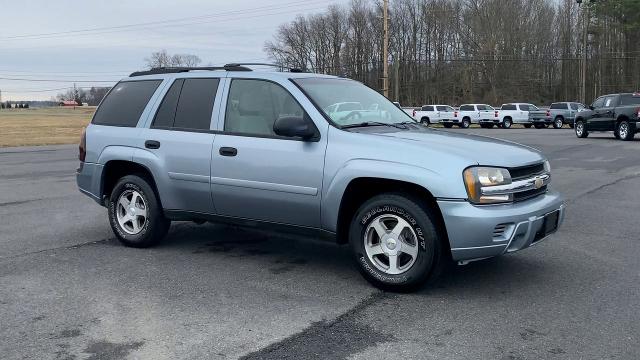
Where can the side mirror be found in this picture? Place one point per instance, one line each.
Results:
(295, 126)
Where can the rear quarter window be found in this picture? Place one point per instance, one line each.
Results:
(125, 103)
(626, 100)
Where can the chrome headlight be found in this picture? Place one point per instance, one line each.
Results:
(480, 177)
(547, 167)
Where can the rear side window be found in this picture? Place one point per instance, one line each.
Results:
(427, 108)
(467, 108)
(629, 100)
(558, 106)
(167, 111)
(509, 107)
(196, 104)
(125, 103)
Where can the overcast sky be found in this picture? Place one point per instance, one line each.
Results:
(103, 40)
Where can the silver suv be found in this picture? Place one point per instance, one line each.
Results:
(254, 148)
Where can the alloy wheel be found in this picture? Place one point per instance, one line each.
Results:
(131, 212)
(391, 244)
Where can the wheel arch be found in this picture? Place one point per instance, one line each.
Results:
(116, 169)
(361, 189)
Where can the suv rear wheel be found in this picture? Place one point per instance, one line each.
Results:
(466, 122)
(558, 122)
(135, 214)
(395, 242)
(506, 123)
(581, 130)
(624, 131)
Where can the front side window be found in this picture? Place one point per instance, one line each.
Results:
(253, 106)
(598, 103)
(577, 106)
(125, 103)
(365, 104)
(427, 108)
(531, 107)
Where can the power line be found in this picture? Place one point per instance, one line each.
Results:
(164, 23)
(59, 80)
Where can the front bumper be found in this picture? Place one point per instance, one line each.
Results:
(477, 232)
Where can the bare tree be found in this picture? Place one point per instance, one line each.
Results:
(455, 51)
(163, 59)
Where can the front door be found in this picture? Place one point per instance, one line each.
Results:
(601, 113)
(256, 174)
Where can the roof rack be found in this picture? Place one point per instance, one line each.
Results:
(181, 69)
(227, 67)
(280, 67)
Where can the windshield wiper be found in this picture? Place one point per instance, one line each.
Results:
(375, 123)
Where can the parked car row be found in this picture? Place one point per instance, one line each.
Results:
(526, 114)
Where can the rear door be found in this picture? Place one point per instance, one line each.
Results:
(256, 174)
(180, 138)
(603, 114)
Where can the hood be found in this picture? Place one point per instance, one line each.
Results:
(482, 150)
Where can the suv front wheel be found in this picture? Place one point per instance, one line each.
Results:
(135, 214)
(581, 129)
(395, 242)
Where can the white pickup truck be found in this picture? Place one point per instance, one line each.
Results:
(518, 113)
(482, 114)
(433, 114)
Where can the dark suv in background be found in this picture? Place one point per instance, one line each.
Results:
(619, 113)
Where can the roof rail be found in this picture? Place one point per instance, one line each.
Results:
(280, 67)
(180, 69)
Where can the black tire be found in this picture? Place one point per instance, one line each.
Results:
(528, 126)
(581, 129)
(425, 121)
(506, 123)
(625, 132)
(558, 122)
(466, 122)
(155, 226)
(430, 259)
(448, 126)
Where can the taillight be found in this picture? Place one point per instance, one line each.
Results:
(548, 113)
(638, 112)
(455, 114)
(414, 112)
(82, 149)
(495, 113)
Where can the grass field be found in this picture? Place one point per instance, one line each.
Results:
(45, 126)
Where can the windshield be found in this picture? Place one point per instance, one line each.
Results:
(347, 102)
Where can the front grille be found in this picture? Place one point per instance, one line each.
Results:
(521, 196)
(525, 172)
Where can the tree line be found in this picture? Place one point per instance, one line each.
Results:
(455, 51)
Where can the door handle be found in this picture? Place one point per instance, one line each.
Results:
(228, 151)
(152, 144)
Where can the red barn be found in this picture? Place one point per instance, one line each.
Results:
(67, 103)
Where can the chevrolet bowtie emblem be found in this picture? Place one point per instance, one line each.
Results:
(538, 183)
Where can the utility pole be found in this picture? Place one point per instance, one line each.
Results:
(385, 48)
(585, 36)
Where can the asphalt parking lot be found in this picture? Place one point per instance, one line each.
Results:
(68, 290)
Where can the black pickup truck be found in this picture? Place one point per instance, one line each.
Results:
(619, 113)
